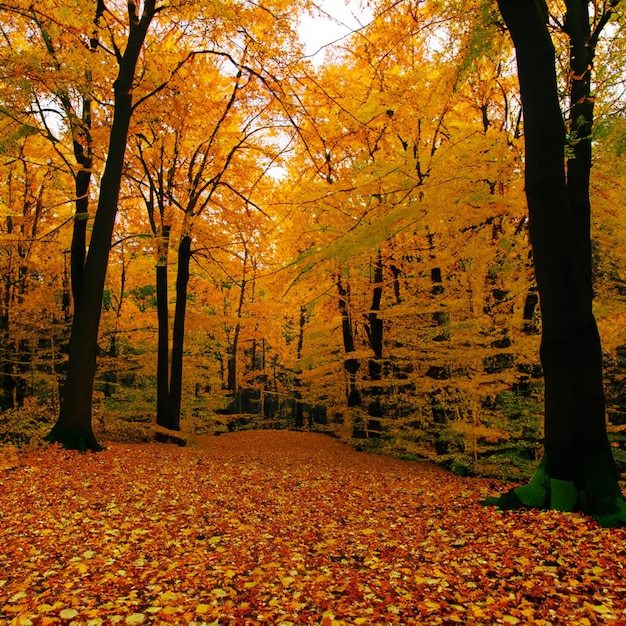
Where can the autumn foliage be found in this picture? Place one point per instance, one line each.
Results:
(290, 528)
(353, 227)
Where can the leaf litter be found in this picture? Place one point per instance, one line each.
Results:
(287, 528)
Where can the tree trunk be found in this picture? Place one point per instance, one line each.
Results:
(298, 409)
(178, 334)
(79, 233)
(578, 470)
(163, 342)
(23, 357)
(351, 365)
(73, 428)
(580, 126)
(374, 331)
(232, 357)
(80, 130)
(7, 398)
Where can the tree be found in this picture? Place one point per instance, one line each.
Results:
(59, 109)
(73, 427)
(578, 470)
(209, 177)
(29, 260)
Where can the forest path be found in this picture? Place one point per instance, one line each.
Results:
(276, 527)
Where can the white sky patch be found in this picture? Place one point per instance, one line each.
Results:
(343, 17)
(339, 20)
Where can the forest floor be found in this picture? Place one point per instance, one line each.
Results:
(275, 527)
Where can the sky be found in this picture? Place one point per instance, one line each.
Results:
(346, 15)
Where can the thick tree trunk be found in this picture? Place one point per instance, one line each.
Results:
(73, 427)
(580, 127)
(178, 334)
(578, 469)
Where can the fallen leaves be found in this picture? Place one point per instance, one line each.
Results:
(287, 528)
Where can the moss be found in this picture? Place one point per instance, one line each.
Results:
(73, 439)
(599, 496)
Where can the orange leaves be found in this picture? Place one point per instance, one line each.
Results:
(293, 528)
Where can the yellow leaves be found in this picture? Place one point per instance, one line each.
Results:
(48, 608)
(18, 596)
(599, 609)
(169, 597)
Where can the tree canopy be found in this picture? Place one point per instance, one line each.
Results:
(352, 235)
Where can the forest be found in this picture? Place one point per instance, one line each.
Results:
(294, 338)
(243, 237)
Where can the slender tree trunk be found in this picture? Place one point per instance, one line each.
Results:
(232, 361)
(82, 181)
(163, 344)
(23, 357)
(578, 470)
(351, 365)
(7, 398)
(374, 330)
(7, 344)
(79, 234)
(298, 409)
(81, 131)
(178, 334)
(73, 427)
(374, 327)
(232, 357)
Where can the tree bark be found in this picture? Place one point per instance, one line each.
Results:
(232, 357)
(163, 341)
(73, 428)
(351, 365)
(580, 126)
(374, 331)
(79, 232)
(298, 409)
(178, 334)
(7, 397)
(578, 470)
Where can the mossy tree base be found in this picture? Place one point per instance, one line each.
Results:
(73, 439)
(598, 495)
